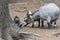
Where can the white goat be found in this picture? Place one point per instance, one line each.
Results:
(48, 12)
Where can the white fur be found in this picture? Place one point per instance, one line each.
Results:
(25, 18)
(30, 12)
(55, 26)
(47, 12)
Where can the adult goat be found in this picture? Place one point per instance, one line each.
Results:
(48, 12)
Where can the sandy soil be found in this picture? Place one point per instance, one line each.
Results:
(45, 33)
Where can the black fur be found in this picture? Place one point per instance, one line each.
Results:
(17, 21)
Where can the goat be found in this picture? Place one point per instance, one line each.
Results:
(17, 21)
(48, 12)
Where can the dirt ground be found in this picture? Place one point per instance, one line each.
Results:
(45, 33)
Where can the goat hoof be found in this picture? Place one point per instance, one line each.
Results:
(42, 26)
(32, 27)
(49, 27)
